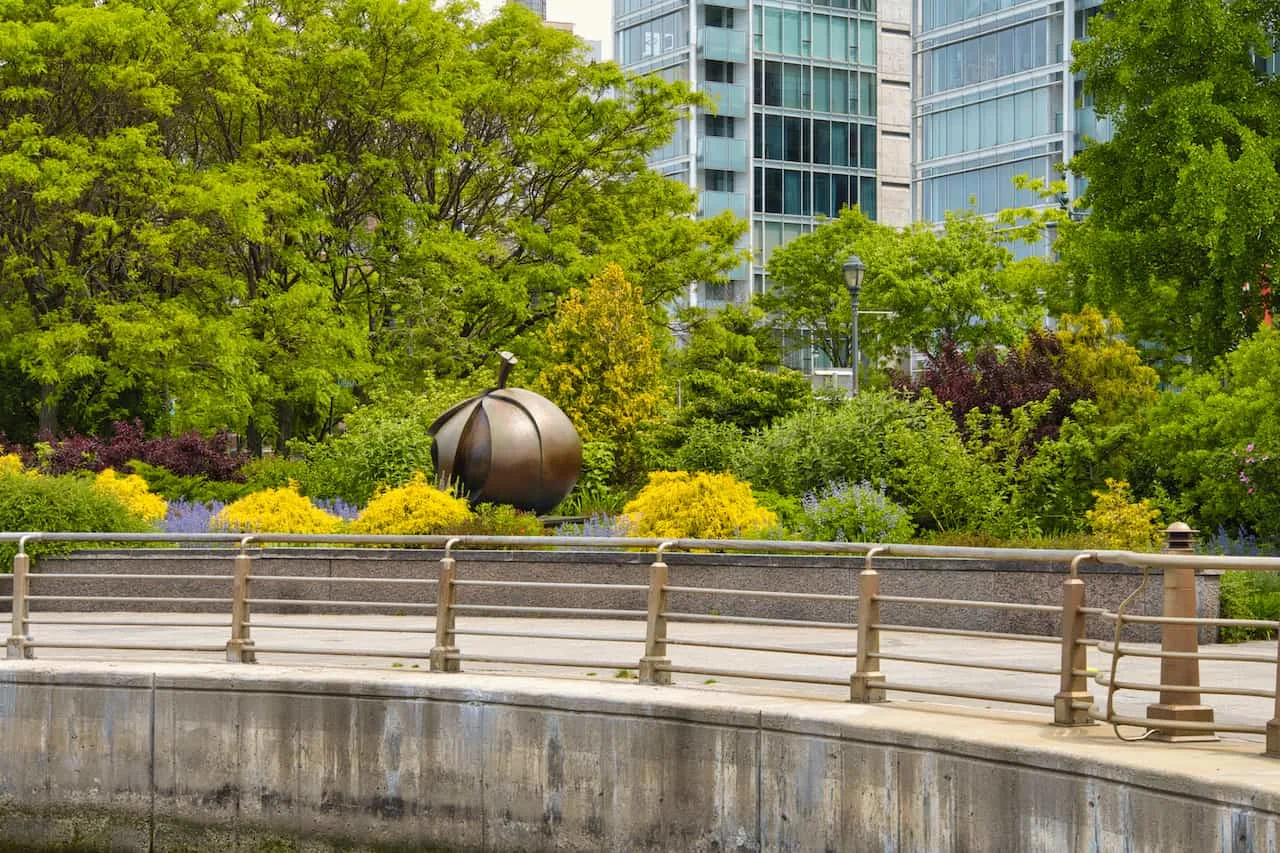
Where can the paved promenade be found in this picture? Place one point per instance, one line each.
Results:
(401, 643)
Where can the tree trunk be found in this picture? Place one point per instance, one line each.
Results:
(284, 425)
(48, 411)
(253, 439)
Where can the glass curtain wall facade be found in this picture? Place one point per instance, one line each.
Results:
(995, 98)
(538, 7)
(795, 134)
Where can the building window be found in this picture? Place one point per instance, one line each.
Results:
(719, 16)
(773, 137)
(719, 72)
(718, 180)
(719, 126)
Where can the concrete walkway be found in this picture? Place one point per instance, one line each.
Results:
(403, 642)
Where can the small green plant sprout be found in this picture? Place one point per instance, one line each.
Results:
(710, 681)
(591, 675)
(623, 673)
(397, 665)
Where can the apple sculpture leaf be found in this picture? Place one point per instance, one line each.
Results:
(507, 446)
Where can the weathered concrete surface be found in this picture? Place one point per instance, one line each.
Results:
(136, 756)
(983, 580)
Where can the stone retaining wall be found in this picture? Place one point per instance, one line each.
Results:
(128, 756)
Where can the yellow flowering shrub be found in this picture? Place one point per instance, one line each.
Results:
(131, 490)
(697, 505)
(11, 463)
(1121, 522)
(417, 508)
(281, 510)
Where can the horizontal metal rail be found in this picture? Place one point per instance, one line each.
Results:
(625, 587)
(103, 576)
(961, 694)
(1129, 651)
(535, 635)
(755, 620)
(372, 629)
(744, 546)
(371, 653)
(324, 602)
(549, 611)
(748, 647)
(1189, 620)
(957, 602)
(753, 674)
(1029, 670)
(762, 593)
(128, 647)
(961, 632)
(568, 662)
(133, 599)
(37, 619)
(1105, 681)
(307, 579)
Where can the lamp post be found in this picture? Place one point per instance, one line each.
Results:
(853, 270)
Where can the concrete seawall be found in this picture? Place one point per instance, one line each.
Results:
(1106, 585)
(128, 756)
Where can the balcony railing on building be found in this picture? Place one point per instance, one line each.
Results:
(730, 99)
(714, 203)
(722, 44)
(723, 153)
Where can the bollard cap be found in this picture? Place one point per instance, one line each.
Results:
(1180, 536)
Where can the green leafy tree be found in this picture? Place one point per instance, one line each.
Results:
(961, 284)
(1184, 197)
(730, 371)
(244, 213)
(84, 180)
(1096, 358)
(1216, 443)
(604, 371)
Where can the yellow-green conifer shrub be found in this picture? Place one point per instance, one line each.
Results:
(696, 505)
(131, 490)
(1121, 522)
(415, 509)
(281, 510)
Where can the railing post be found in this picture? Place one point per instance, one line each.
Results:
(1180, 705)
(1074, 685)
(240, 646)
(444, 653)
(867, 683)
(19, 647)
(655, 634)
(1273, 725)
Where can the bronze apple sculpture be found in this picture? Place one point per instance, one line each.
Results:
(507, 446)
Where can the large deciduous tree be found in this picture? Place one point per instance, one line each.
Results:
(230, 213)
(1184, 199)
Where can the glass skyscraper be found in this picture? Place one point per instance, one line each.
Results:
(995, 98)
(812, 112)
(538, 7)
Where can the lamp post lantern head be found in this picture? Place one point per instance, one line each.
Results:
(853, 270)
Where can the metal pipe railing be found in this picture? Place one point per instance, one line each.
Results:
(1072, 703)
